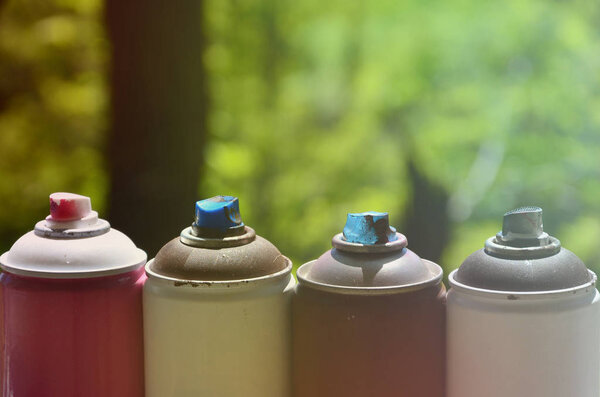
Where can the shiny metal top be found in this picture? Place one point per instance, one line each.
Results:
(522, 258)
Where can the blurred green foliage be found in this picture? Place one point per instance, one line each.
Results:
(52, 107)
(317, 107)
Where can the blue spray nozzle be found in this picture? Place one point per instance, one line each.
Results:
(219, 214)
(369, 228)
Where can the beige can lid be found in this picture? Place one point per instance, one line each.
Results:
(218, 247)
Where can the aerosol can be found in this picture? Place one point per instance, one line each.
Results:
(71, 302)
(217, 315)
(523, 317)
(368, 317)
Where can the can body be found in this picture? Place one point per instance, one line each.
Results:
(369, 344)
(218, 339)
(72, 337)
(523, 344)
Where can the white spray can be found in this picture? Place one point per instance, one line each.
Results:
(217, 315)
(523, 317)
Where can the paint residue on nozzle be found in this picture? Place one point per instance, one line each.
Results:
(219, 213)
(369, 228)
(69, 206)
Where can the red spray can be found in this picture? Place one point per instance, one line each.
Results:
(71, 307)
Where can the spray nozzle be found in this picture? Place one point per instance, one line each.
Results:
(69, 206)
(369, 228)
(70, 211)
(216, 216)
(523, 227)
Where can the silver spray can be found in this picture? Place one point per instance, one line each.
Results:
(523, 317)
(217, 315)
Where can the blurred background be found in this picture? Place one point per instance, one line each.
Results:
(445, 113)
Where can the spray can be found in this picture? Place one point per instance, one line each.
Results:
(71, 302)
(217, 316)
(523, 317)
(368, 317)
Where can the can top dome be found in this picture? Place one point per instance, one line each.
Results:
(217, 247)
(522, 258)
(369, 257)
(72, 242)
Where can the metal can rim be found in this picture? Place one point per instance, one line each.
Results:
(219, 283)
(107, 271)
(507, 251)
(338, 242)
(515, 295)
(187, 237)
(395, 289)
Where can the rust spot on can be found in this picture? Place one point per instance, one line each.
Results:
(190, 283)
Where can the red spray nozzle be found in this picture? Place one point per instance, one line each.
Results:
(69, 206)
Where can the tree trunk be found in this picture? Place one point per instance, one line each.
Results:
(426, 225)
(158, 106)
